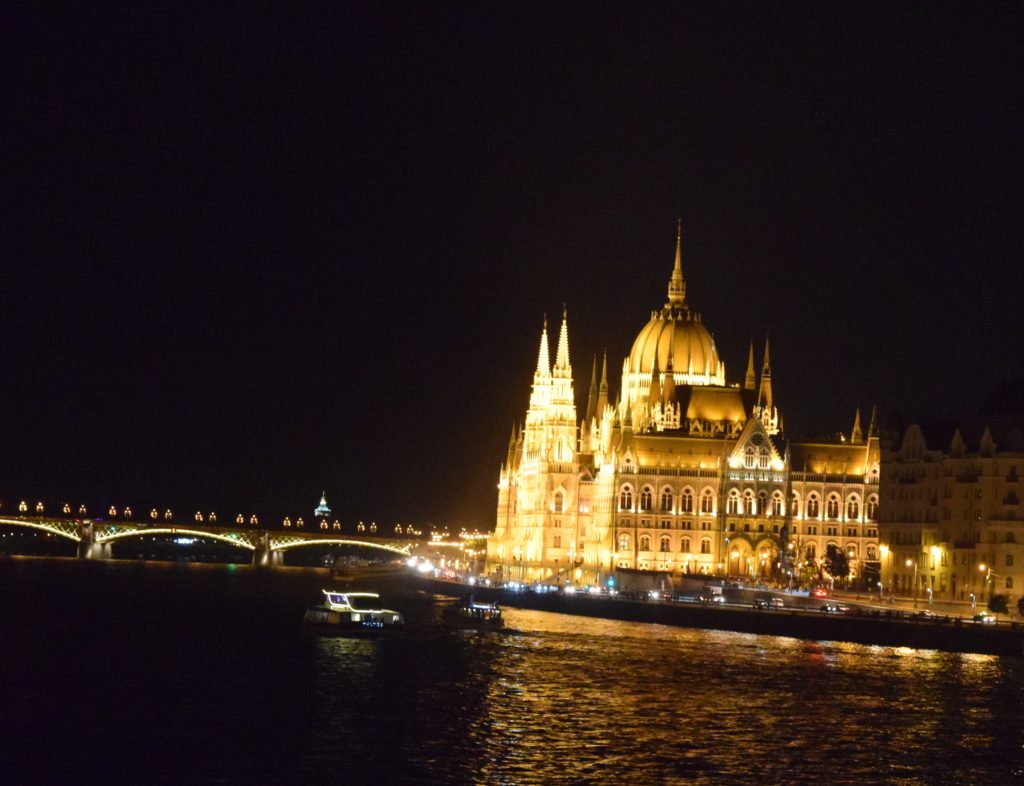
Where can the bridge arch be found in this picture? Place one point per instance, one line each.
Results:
(65, 529)
(231, 538)
(282, 545)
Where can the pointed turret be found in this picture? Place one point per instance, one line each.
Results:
(670, 383)
(856, 436)
(676, 284)
(562, 354)
(873, 425)
(602, 392)
(764, 395)
(655, 395)
(957, 447)
(592, 396)
(988, 445)
(751, 380)
(543, 356)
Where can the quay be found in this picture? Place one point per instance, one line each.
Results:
(949, 634)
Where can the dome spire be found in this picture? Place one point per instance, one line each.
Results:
(676, 284)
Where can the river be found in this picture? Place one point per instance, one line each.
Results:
(145, 672)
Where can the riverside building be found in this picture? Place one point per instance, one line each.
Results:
(952, 523)
(683, 472)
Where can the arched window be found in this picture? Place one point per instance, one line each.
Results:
(763, 458)
(559, 502)
(851, 551)
(687, 501)
(832, 507)
(623, 542)
(811, 551)
(685, 545)
(666, 501)
(812, 507)
(852, 509)
(646, 498)
(777, 504)
(795, 505)
(871, 552)
(749, 507)
(732, 505)
(707, 501)
(748, 458)
(645, 543)
(705, 545)
(626, 498)
(871, 509)
(666, 543)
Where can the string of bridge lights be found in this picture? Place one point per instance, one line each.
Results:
(211, 518)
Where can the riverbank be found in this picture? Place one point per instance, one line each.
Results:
(949, 634)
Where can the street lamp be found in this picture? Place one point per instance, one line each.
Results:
(908, 563)
(883, 552)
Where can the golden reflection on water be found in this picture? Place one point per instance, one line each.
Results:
(586, 700)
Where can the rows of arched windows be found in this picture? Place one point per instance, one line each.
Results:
(664, 543)
(749, 504)
(812, 507)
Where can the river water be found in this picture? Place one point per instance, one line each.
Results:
(152, 673)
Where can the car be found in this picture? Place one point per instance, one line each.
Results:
(777, 603)
(834, 608)
(716, 599)
(761, 603)
(820, 592)
(984, 618)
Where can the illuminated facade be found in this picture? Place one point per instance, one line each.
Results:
(952, 523)
(683, 473)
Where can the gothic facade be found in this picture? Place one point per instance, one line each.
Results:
(683, 472)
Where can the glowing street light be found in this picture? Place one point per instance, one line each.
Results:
(23, 507)
(112, 512)
(39, 507)
(239, 519)
(908, 564)
(154, 514)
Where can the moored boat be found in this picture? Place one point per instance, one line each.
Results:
(475, 615)
(352, 613)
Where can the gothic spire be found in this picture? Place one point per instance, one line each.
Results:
(544, 357)
(764, 395)
(873, 426)
(856, 435)
(562, 354)
(655, 394)
(751, 380)
(592, 397)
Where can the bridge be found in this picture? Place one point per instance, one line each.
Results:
(95, 536)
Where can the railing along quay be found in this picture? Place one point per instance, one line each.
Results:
(949, 634)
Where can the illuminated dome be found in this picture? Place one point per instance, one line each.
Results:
(674, 342)
(676, 338)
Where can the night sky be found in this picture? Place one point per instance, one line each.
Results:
(251, 253)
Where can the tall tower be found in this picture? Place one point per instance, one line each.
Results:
(535, 533)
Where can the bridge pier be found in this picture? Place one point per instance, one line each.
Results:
(265, 557)
(87, 550)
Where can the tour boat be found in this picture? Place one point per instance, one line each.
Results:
(469, 613)
(352, 613)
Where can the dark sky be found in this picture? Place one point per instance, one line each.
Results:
(254, 252)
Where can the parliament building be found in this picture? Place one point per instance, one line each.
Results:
(682, 472)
